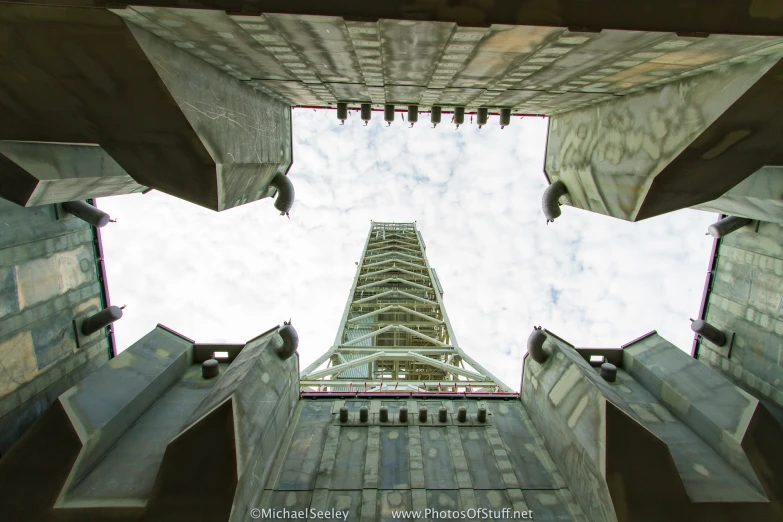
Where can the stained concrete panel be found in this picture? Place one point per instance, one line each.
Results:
(403, 94)
(55, 338)
(547, 506)
(394, 467)
(493, 502)
(20, 363)
(439, 472)
(43, 278)
(348, 472)
(444, 501)
(501, 47)
(300, 469)
(324, 43)
(581, 55)
(411, 50)
(524, 450)
(9, 294)
(392, 500)
(482, 465)
(342, 501)
(214, 37)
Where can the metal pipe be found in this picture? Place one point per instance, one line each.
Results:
(342, 112)
(87, 212)
(101, 319)
(285, 193)
(505, 118)
(290, 341)
(366, 113)
(103, 280)
(413, 114)
(709, 332)
(435, 115)
(535, 345)
(551, 200)
(459, 116)
(318, 107)
(706, 292)
(482, 116)
(388, 114)
(727, 225)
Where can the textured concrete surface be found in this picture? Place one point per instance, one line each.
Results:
(668, 440)
(696, 16)
(171, 121)
(246, 133)
(43, 173)
(759, 196)
(671, 146)
(746, 299)
(48, 277)
(375, 467)
(146, 437)
(320, 60)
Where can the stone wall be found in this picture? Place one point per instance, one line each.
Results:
(48, 276)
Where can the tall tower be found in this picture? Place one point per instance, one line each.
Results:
(395, 334)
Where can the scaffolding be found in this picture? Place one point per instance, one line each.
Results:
(395, 336)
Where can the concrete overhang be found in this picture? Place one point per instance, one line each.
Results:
(172, 121)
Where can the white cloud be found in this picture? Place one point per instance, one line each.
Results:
(225, 277)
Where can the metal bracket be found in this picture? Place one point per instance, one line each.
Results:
(60, 213)
(731, 345)
(81, 339)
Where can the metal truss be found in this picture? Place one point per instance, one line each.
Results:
(395, 335)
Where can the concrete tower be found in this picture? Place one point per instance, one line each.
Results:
(395, 333)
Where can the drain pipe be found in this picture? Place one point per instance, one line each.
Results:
(551, 200)
(285, 193)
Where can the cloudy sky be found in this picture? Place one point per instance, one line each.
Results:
(226, 277)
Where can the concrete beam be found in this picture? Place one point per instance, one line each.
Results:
(44, 173)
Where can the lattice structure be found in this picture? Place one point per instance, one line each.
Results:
(395, 334)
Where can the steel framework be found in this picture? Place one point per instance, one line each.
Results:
(394, 335)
